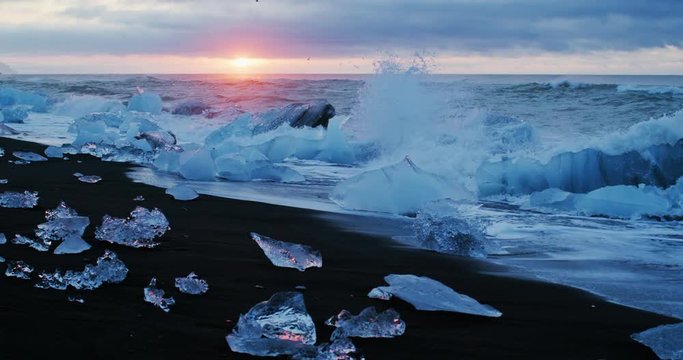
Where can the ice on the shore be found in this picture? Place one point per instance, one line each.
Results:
(666, 340)
(367, 324)
(401, 188)
(197, 165)
(108, 269)
(146, 102)
(28, 156)
(76, 299)
(191, 284)
(2, 151)
(2, 259)
(65, 225)
(15, 114)
(250, 164)
(11, 97)
(279, 326)
(89, 179)
(156, 297)
(19, 269)
(337, 349)
(289, 255)
(437, 227)
(3, 239)
(139, 230)
(54, 152)
(139, 198)
(38, 244)
(430, 295)
(25, 200)
(4, 181)
(182, 192)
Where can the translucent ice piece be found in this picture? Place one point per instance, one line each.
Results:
(368, 324)
(108, 269)
(77, 299)
(90, 179)
(191, 284)
(666, 340)
(4, 181)
(64, 224)
(39, 244)
(139, 198)
(27, 199)
(139, 230)
(279, 326)
(3, 239)
(146, 102)
(428, 294)
(2, 259)
(338, 349)
(54, 152)
(289, 255)
(156, 296)
(182, 192)
(19, 269)
(28, 156)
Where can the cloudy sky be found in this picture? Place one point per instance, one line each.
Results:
(341, 36)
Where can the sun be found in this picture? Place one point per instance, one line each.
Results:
(242, 62)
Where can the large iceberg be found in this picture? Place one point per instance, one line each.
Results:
(289, 255)
(108, 269)
(156, 297)
(402, 188)
(367, 324)
(279, 326)
(146, 102)
(139, 230)
(666, 341)
(430, 295)
(63, 224)
(438, 227)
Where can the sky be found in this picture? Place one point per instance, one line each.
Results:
(341, 36)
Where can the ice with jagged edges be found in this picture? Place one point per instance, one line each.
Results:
(155, 296)
(140, 229)
(19, 269)
(38, 244)
(28, 156)
(337, 349)
(54, 152)
(367, 324)
(438, 228)
(191, 284)
(15, 114)
(108, 269)
(25, 200)
(182, 192)
(402, 188)
(89, 179)
(430, 295)
(278, 326)
(146, 102)
(665, 340)
(12, 97)
(65, 225)
(289, 255)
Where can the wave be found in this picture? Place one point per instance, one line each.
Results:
(649, 89)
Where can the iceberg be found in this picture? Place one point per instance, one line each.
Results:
(182, 192)
(63, 224)
(430, 295)
(25, 200)
(40, 244)
(438, 228)
(28, 156)
(139, 230)
(191, 284)
(10, 96)
(156, 296)
(148, 102)
(108, 269)
(250, 164)
(15, 114)
(368, 324)
(19, 269)
(289, 255)
(402, 188)
(6, 130)
(197, 165)
(279, 326)
(666, 340)
(54, 152)
(89, 179)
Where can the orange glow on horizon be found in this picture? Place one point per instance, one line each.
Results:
(242, 62)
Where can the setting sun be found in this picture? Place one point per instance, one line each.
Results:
(242, 62)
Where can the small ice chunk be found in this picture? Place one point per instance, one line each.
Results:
(182, 192)
(279, 326)
(430, 295)
(2, 259)
(25, 200)
(39, 244)
(54, 152)
(77, 174)
(19, 269)
(139, 230)
(3, 239)
(378, 293)
(666, 340)
(4, 181)
(2, 151)
(28, 156)
(64, 224)
(191, 284)
(156, 296)
(438, 228)
(139, 198)
(108, 269)
(289, 255)
(77, 299)
(338, 349)
(90, 179)
(368, 324)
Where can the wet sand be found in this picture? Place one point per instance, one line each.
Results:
(210, 236)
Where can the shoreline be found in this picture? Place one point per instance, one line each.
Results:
(210, 237)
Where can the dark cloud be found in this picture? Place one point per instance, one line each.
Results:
(357, 27)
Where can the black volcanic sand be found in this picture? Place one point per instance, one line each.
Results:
(210, 236)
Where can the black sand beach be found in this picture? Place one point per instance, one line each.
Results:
(210, 236)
